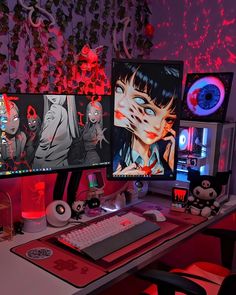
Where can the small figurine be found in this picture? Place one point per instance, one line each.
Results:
(18, 227)
(78, 208)
(93, 207)
(204, 190)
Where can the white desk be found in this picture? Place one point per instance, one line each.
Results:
(18, 276)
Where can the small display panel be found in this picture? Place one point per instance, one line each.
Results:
(146, 112)
(42, 133)
(206, 96)
(179, 198)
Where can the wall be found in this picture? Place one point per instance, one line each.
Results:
(41, 48)
(36, 56)
(201, 33)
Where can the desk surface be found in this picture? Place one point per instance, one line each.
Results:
(18, 276)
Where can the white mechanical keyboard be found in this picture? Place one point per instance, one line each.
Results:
(95, 232)
(106, 236)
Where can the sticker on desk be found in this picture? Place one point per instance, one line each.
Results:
(39, 253)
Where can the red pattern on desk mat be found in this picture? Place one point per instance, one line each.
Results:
(65, 265)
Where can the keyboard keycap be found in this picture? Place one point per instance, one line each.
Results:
(106, 236)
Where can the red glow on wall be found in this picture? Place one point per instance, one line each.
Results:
(149, 30)
(228, 22)
(231, 57)
(88, 75)
(200, 32)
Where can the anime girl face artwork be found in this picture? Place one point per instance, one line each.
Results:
(12, 138)
(92, 146)
(136, 111)
(93, 132)
(42, 132)
(34, 122)
(146, 115)
(12, 121)
(94, 112)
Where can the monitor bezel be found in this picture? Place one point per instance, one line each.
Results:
(178, 63)
(57, 170)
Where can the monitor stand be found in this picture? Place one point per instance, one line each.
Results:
(72, 187)
(60, 185)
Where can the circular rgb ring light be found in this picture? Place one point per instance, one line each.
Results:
(205, 96)
(183, 139)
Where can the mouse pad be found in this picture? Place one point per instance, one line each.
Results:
(79, 270)
(171, 215)
(63, 264)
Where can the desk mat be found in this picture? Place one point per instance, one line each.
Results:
(79, 270)
(169, 214)
(63, 264)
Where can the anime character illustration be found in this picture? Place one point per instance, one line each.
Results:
(92, 135)
(91, 147)
(93, 132)
(145, 111)
(34, 133)
(58, 130)
(12, 138)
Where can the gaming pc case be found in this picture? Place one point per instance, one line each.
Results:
(205, 146)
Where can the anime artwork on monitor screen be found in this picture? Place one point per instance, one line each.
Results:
(47, 132)
(146, 112)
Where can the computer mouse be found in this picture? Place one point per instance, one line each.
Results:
(155, 215)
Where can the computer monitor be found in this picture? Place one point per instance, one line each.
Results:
(145, 119)
(48, 133)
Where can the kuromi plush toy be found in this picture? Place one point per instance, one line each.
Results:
(204, 190)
